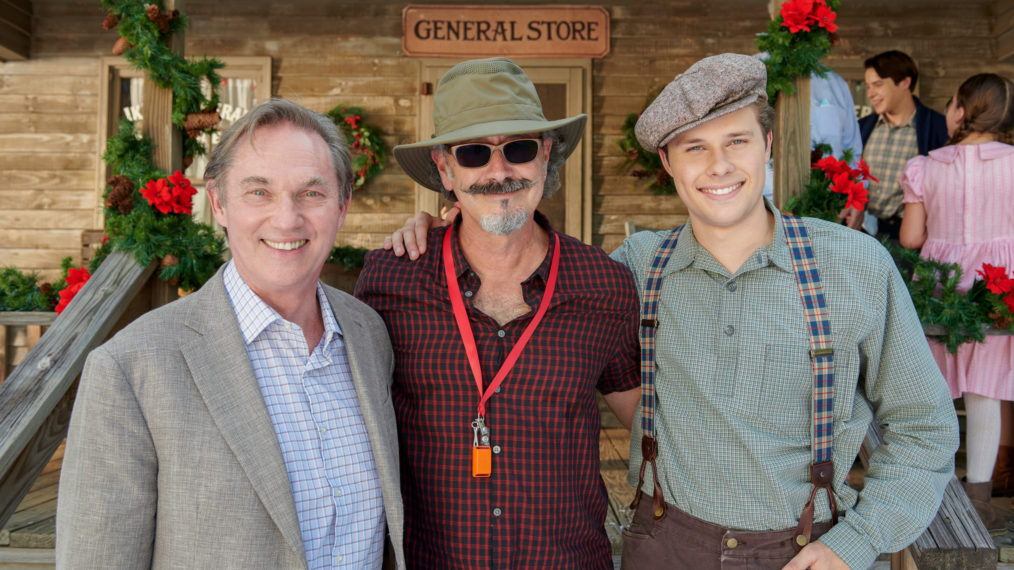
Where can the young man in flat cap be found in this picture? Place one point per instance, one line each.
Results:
(777, 341)
(502, 334)
(769, 344)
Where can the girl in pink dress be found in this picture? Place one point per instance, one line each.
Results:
(959, 207)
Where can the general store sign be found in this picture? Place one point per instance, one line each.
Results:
(513, 31)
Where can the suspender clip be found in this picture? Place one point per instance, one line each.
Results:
(818, 352)
(653, 323)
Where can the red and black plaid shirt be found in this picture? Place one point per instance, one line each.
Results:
(545, 504)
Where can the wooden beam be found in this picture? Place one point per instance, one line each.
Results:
(15, 29)
(158, 108)
(791, 144)
(14, 45)
(1003, 29)
(37, 386)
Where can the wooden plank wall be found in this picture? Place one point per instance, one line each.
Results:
(324, 53)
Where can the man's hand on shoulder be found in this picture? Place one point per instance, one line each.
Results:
(816, 556)
(411, 237)
(852, 217)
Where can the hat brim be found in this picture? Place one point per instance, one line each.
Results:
(415, 159)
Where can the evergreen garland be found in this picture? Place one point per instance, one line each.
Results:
(191, 252)
(348, 256)
(792, 54)
(23, 291)
(367, 147)
(933, 287)
(148, 50)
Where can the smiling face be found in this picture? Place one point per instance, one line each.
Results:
(500, 197)
(282, 208)
(885, 95)
(718, 169)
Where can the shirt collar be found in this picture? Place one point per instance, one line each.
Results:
(986, 151)
(688, 249)
(882, 120)
(254, 315)
(462, 267)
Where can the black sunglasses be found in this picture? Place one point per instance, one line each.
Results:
(475, 155)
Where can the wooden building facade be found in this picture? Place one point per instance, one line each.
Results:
(58, 100)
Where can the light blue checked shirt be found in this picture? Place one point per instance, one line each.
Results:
(315, 412)
(734, 386)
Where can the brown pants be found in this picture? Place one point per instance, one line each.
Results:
(682, 541)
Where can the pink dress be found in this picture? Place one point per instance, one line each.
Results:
(968, 193)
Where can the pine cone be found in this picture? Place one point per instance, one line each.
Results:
(197, 122)
(111, 21)
(45, 288)
(121, 46)
(663, 178)
(160, 19)
(632, 153)
(187, 160)
(170, 260)
(121, 196)
(1001, 322)
(815, 155)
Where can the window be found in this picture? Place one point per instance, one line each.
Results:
(246, 81)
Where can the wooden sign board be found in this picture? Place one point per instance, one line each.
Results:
(512, 31)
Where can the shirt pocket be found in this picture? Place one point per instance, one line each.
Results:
(786, 391)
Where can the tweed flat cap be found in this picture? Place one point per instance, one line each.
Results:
(712, 87)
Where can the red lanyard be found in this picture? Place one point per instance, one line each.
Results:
(465, 328)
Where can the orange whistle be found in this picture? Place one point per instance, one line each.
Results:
(482, 461)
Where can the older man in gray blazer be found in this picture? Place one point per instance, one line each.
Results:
(248, 425)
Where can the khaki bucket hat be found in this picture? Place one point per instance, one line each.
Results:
(483, 98)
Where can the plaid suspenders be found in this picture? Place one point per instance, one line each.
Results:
(821, 355)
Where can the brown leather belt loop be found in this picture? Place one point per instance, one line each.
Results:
(822, 475)
(649, 451)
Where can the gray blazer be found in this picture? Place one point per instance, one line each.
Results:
(172, 461)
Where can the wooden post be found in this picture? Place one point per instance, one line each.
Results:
(168, 140)
(158, 108)
(791, 145)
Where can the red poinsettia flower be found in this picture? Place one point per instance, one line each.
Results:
(157, 193)
(824, 16)
(76, 278)
(859, 196)
(176, 198)
(795, 15)
(832, 167)
(841, 183)
(996, 279)
(863, 170)
(182, 192)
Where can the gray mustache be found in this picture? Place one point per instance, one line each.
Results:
(505, 187)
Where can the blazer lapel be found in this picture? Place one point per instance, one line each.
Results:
(222, 372)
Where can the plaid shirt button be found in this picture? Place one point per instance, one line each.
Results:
(730, 330)
(500, 333)
(496, 449)
(497, 512)
(731, 286)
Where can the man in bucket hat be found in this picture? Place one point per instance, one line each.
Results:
(502, 334)
(769, 344)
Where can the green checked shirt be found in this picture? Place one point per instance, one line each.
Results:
(887, 151)
(734, 386)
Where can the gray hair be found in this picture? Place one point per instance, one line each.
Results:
(557, 155)
(273, 112)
